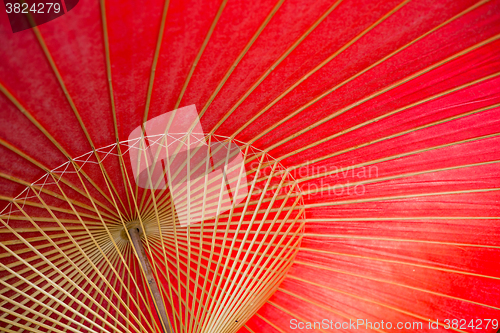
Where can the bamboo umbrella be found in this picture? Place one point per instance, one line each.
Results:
(345, 167)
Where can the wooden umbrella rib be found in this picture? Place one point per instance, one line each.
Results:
(399, 262)
(39, 314)
(414, 152)
(410, 240)
(241, 55)
(363, 71)
(114, 245)
(396, 284)
(155, 60)
(25, 318)
(21, 326)
(226, 292)
(151, 80)
(230, 213)
(47, 170)
(107, 55)
(176, 245)
(82, 252)
(399, 176)
(386, 89)
(389, 158)
(314, 70)
(399, 197)
(241, 296)
(382, 91)
(84, 293)
(270, 323)
(48, 192)
(200, 52)
(34, 204)
(52, 63)
(383, 179)
(292, 314)
(324, 307)
(48, 280)
(275, 64)
(376, 119)
(151, 284)
(45, 219)
(30, 117)
(160, 301)
(203, 317)
(262, 283)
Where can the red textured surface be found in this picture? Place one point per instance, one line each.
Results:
(419, 242)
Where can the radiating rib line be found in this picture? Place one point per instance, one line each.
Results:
(448, 270)
(275, 64)
(192, 269)
(233, 66)
(52, 64)
(104, 24)
(272, 273)
(51, 283)
(240, 56)
(270, 323)
(155, 59)
(153, 268)
(379, 92)
(225, 239)
(125, 264)
(201, 322)
(28, 319)
(352, 77)
(391, 113)
(399, 285)
(276, 279)
(270, 278)
(83, 292)
(205, 319)
(169, 299)
(394, 157)
(82, 252)
(69, 250)
(200, 52)
(397, 197)
(20, 326)
(414, 315)
(225, 301)
(399, 176)
(404, 240)
(310, 73)
(34, 204)
(151, 84)
(48, 192)
(55, 279)
(191, 324)
(47, 170)
(47, 305)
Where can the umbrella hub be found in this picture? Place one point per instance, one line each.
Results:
(134, 224)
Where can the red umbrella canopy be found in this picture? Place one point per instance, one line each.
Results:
(369, 132)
